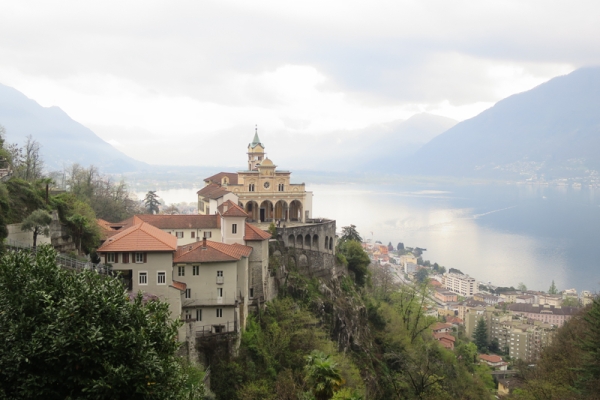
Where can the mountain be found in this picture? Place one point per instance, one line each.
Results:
(552, 129)
(368, 149)
(63, 140)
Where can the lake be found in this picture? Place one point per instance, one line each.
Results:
(505, 234)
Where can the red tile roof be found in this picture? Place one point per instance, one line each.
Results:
(140, 237)
(212, 191)
(213, 252)
(439, 326)
(254, 233)
(444, 336)
(492, 358)
(230, 209)
(106, 230)
(233, 178)
(179, 285)
(161, 221)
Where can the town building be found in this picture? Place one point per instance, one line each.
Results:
(554, 315)
(493, 361)
(464, 285)
(445, 296)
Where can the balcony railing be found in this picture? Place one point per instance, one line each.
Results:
(216, 329)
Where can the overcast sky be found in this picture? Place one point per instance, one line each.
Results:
(161, 80)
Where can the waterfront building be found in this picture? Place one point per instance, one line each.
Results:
(464, 285)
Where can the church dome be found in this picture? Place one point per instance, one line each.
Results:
(266, 163)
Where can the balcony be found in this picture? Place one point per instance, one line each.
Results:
(219, 280)
(216, 329)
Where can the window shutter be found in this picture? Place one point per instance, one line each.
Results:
(116, 258)
(145, 257)
(125, 258)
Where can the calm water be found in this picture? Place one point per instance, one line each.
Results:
(501, 233)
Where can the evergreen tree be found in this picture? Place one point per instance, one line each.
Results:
(400, 247)
(151, 202)
(480, 336)
(553, 289)
(350, 233)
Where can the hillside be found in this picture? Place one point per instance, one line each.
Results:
(64, 141)
(553, 129)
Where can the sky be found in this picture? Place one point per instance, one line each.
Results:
(180, 82)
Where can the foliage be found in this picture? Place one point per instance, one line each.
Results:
(553, 289)
(571, 302)
(422, 275)
(77, 335)
(455, 271)
(80, 219)
(151, 202)
(272, 229)
(350, 233)
(522, 287)
(27, 163)
(400, 246)
(23, 200)
(37, 222)
(171, 210)
(322, 375)
(358, 260)
(4, 210)
(480, 337)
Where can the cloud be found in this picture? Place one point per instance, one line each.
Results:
(189, 70)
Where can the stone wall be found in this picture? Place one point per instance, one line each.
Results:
(309, 247)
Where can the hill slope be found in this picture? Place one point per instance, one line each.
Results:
(64, 141)
(553, 129)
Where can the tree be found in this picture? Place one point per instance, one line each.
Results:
(27, 161)
(350, 233)
(322, 375)
(570, 302)
(390, 247)
(37, 222)
(400, 247)
(553, 289)
(521, 287)
(358, 260)
(151, 202)
(171, 210)
(480, 336)
(422, 275)
(76, 335)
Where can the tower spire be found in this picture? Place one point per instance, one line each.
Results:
(256, 140)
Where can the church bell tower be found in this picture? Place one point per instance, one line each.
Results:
(256, 152)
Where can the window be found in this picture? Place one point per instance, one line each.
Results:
(110, 257)
(207, 235)
(233, 228)
(179, 235)
(188, 293)
(281, 187)
(220, 292)
(198, 314)
(219, 276)
(143, 278)
(181, 271)
(196, 270)
(251, 187)
(193, 235)
(125, 258)
(188, 315)
(140, 258)
(219, 313)
(161, 278)
(251, 292)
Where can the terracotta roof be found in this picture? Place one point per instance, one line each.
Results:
(440, 325)
(454, 320)
(140, 237)
(161, 221)
(233, 178)
(491, 358)
(106, 230)
(230, 209)
(179, 285)
(254, 233)
(213, 252)
(435, 283)
(444, 336)
(446, 344)
(212, 191)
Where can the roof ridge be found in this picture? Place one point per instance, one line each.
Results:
(157, 237)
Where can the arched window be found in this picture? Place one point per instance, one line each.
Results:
(281, 187)
(251, 187)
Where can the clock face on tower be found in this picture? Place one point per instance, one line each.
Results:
(266, 185)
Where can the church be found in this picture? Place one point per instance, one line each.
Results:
(263, 191)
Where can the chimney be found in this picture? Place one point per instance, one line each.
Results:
(204, 243)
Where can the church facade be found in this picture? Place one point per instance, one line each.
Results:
(263, 191)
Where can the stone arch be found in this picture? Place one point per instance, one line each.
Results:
(330, 243)
(282, 210)
(266, 211)
(326, 243)
(302, 260)
(252, 210)
(299, 242)
(296, 210)
(291, 241)
(315, 242)
(307, 241)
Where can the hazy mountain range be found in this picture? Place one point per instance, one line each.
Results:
(63, 140)
(553, 129)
